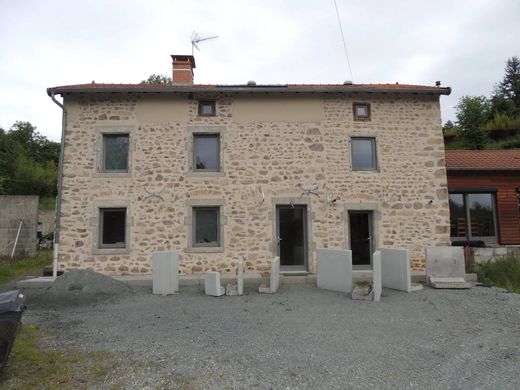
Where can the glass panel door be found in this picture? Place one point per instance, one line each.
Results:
(481, 215)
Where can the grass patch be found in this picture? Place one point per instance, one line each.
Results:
(503, 272)
(12, 268)
(32, 367)
(46, 203)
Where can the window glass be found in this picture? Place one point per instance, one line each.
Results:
(116, 152)
(362, 111)
(207, 152)
(113, 225)
(207, 108)
(206, 226)
(457, 216)
(481, 215)
(363, 154)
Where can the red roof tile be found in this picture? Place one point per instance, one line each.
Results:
(482, 159)
(371, 88)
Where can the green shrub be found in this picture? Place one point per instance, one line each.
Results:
(503, 272)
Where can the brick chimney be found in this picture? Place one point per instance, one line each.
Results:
(182, 69)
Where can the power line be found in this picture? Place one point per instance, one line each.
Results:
(344, 42)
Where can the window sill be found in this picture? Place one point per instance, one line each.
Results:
(111, 175)
(111, 251)
(206, 174)
(205, 249)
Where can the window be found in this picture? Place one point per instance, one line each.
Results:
(206, 152)
(473, 216)
(206, 226)
(361, 111)
(207, 108)
(363, 154)
(112, 230)
(115, 152)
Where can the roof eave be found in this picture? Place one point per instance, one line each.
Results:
(482, 169)
(174, 90)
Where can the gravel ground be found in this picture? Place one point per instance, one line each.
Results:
(299, 338)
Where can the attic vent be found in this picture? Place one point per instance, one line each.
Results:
(251, 83)
(347, 82)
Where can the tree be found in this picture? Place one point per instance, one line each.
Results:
(28, 161)
(158, 79)
(472, 114)
(506, 95)
(449, 127)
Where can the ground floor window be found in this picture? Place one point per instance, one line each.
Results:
(112, 227)
(206, 226)
(473, 216)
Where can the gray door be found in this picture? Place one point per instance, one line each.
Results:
(291, 234)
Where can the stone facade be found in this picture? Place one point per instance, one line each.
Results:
(269, 146)
(14, 208)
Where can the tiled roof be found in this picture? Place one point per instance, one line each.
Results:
(483, 159)
(154, 88)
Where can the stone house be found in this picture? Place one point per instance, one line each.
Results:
(222, 172)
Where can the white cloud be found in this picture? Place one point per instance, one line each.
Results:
(42, 44)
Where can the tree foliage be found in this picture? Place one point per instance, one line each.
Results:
(28, 161)
(506, 96)
(472, 114)
(158, 79)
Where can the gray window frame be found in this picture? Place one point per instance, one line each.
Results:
(194, 242)
(361, 118)
(375, 166)
(213, 104)
(194, 153)
(102, 210)
(104, 153)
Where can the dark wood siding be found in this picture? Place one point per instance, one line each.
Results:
(505, 184)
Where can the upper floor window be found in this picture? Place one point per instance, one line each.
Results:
(363, 154)
(207, 108)
(115, 152)
(206, 152)
(361, 111)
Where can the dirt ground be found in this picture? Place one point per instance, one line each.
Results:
(299, 338)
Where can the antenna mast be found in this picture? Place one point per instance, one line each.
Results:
(196, 38)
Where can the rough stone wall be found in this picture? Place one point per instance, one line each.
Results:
(13, 209)
(262, 161)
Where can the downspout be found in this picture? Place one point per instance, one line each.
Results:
(56, 245)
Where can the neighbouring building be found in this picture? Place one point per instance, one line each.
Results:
(18, 218)
(222, 172)
(484, 190)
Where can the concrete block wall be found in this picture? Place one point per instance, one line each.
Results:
(14, 208)
(483, 255)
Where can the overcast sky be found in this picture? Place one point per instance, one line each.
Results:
(45, 43)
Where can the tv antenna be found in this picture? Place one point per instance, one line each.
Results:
(196, 38)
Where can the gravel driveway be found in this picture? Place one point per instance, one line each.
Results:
(300, 338)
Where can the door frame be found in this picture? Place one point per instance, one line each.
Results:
(307, 226)
(374, 209)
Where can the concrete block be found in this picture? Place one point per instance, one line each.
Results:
(445, 262)
(486, 252)
(334, 270)
(274, 278)
(165, 273)
(395, 266)
(501, 251)
(449, 283)
(212, 284)
(376, 276)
